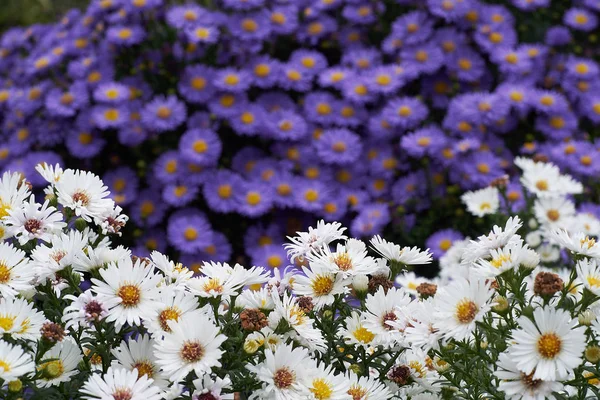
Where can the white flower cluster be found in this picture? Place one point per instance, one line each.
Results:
(83, 318)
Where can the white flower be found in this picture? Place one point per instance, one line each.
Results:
(260, 298)
(222, 280)
(171, 305)
(482, 202)
(287, 309)
(404, 255)
(367, 388)
(138, 355)
(421, 331)
(20, 320)
(212, 388)
(176, 275)
(283, 374)
(59, 364)
(51, 174)
(129, 290)
(118, 383)
(84, 193)
(550, 347)
(355, 332)
(517, 385)
(554, 212)
(314, 239)
(498, 237)
(578, 243)
(192, 345)
(545, 179)
(14, 362)
(31, 222)
(99, 257)
(324, 384)
(61, 253)
(13, 193)
(83, 310)
(349, 259)
(589, 273)
(320, 284)
(459, 305)
(111, 221)
(503, 259)
(410, 281)
(382, 311)
(15, 273)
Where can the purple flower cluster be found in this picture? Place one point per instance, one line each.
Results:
(279, 111)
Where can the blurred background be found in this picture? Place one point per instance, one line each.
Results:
(27, 12)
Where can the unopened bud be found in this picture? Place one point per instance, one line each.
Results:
(501, 304)
(360, 284)
(586, 317)
(592, 354)
(15, 386)
(251, 346)
(426, 290)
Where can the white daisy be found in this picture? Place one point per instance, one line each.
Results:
(13, 192)
(111, 221)
(30, 222)
(220, 279)
(139, 355)
(554, 212)
(176, 275)
(367, 388)
(171, 305)
(84, 310)
(323, 384)
(545, 179)
(15, 273)
(51, 174)
(315, 239)
(59, 363)
(99, 257)
(459, 305)
(381, 311)
(129, 290)
(578, 243)
(84, 193)
(192, 345)
(61, 253)
(482, 202)
(349, 259)
(504, 259)
(498, 237)
(320, 284)
(586, 223)
(421, 331)
(403, 255)
(550, 346)
(589, 273)
(283, 373)
(518, 385)
(14, 362)
(261, 299)
(410, 281)
(354, 331)
(118, 383)
(212, 388)
(20, 320)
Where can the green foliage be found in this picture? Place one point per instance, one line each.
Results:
(27, 12)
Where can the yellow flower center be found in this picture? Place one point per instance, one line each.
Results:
(200, 146)
(247, 118)
(465, 311)
(130, 295)
(549, 345)
(4, 366)
(542, 185)
(163, 112)
(7, 322)
(553, 215)
(5, 274)
(445, 244)
(144, 368)
(262, 70)
(125, 33)
(501, 259)
(224, 191)
(190, 234)
(227, 100)
(198, 83)
(274, 261)
(311, 195)
(424, 141)
(404, 111)
(278, 18)
(112, 114)
(253, 198)
(168, 314)
(322, 285)
(321, 389)
(363, 335)
(191, 352)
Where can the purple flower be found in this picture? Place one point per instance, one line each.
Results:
(320, 107)
(125, 35)
(179, 194)
(558, 36)
(254, 198)
(186, 15)
(580, 19)
(148, 208)
(425, 58)
(250, 26)
(202, 34)
(259, 235)
(111, 92)
(227, 104)
(220, 191)
(232, 80)
(66, 103)
(265, 72)
(123, 185)
(441, 241)
(404, 112)
(309, 60)
(284, 19)
(163, 113)
(108, 117)
(168, 167)
(425, 141)
(196, 84)
(200, 146)
(285, 124)
(270, 256)
(339, 146)
(248, 120)
(189, 231)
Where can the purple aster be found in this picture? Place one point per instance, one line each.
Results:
(316, 29)
(413, 27)
(179, 194)
(196, 84)
(350, 115)
(110, 116)
(356, 198)
(380, 128)
(250, 26)
(309, 60)
(384, 79)
(66, 103)
(580, 19)
(248, 120)
(123, 184)
(491, 38)
(371, 220)
(163, 113)
(270, 256)
(276, 101)
(258, 236)
(449, 10)
(132, 135)
(189, 231)
(200, 146)
(284, 19)
(478, 170)
(151, 240)
(221, 189)
(148, 208)
(111, 92)
(361, 58)
(466, 64)
(227, 104)
(167, 167)
(335, 76)
(557, 125)
(284, 189)
(529, 5)
(187, 15)
(404, 112)
(425, 58)
(549, 102)
(441, 241)
(334, 207)
(363, 14)
(311, 194)
(254, 198)
(125, 35)
(425, 141)
(409, 187)
(245, 160)
(581, 68)
(320, 107)
(357, 90)
(84, 142)
(339, 146)
(519, 96)
(558, 36)
(202, 34)
(265, 72)
(285, 125)
(292, 77)
(514, 196)
(232, 80)
(243, 4)
(219, 250)
(590, 107)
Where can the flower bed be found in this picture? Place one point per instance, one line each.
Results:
(251, 119)
(513, 314)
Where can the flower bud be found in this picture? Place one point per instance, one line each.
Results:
(426, 290)
(592, 354)
(532, 223)
(501, 304)
(251, 346)
(360, 284)
(586, 317)
(546, 284)
(534, 239)
(15, 386)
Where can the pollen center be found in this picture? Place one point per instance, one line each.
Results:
(466, 310)
(192, 352)
(284, 378)
(321, 389)
(130, 295)
(549, 345)
(322, 285)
